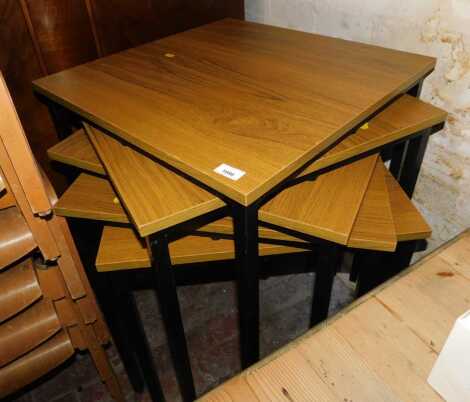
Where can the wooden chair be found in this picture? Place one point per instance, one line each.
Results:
(47, 310)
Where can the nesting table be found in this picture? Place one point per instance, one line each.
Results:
(244, 111)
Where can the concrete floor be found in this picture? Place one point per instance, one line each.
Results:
(210, 318)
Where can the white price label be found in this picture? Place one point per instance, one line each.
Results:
(229, 171)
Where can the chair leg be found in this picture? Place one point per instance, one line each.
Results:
(137, 342)
(165, 286)
(328, 263)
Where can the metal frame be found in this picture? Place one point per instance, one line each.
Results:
(407, 157)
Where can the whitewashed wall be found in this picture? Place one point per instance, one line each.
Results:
(439, 28)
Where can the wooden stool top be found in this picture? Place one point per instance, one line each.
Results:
(381, 348)
(154, 196)
(406, 116)
(359, 205)
(76, 150)
(120, 249)
(325, 208)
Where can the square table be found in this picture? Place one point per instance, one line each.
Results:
(240, 109)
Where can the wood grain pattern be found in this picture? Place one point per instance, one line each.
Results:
(406, 116)
(20, 66)
(27, 330)
(155, 197)
(409, 223)
(122, 24)
(63, 31)
(237, 90)
(18, 150)
(76, 150)
(16, 239)
(20, 288)
(91, 197)
(120, 248)
(325, 208)
(35, 364)
(381, 348)
(374, 228)
(7, 199)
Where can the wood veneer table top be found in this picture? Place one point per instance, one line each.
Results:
(381, 348)
(262, 99)
(121, 249)
(155, 197)
(325, 208)
(76, 150)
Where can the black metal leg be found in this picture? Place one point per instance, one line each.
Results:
(374, 267)
(87, 236)
(398, 155)
(165, 286)
(246, 250)
(412, 162)
(131, 324)
(371, 270)
(328, 263)
(401, 258)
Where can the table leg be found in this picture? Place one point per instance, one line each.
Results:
(328, 263)
(246, 253)
(412, 162)
(371, 270)
(165, 286)
(131, 324)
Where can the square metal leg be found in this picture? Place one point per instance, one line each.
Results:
(245, 221)
(165, 286)
(328, 263)
(133, 344)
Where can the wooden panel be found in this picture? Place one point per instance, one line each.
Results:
(20, 155)
(19, 289)
(7, 199)
(288, 100)
(120, 248)
(91, 197)
(76, 150)
(51, 281)
(35, 364)
(27, 330)
(155, 197)
(20, 67)
(15, 237)
(63, 32)
(326, 207)
(409, 223)
(38, 226)
(382, 347)
(374, 228)
(405, 116)
(122, 24)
